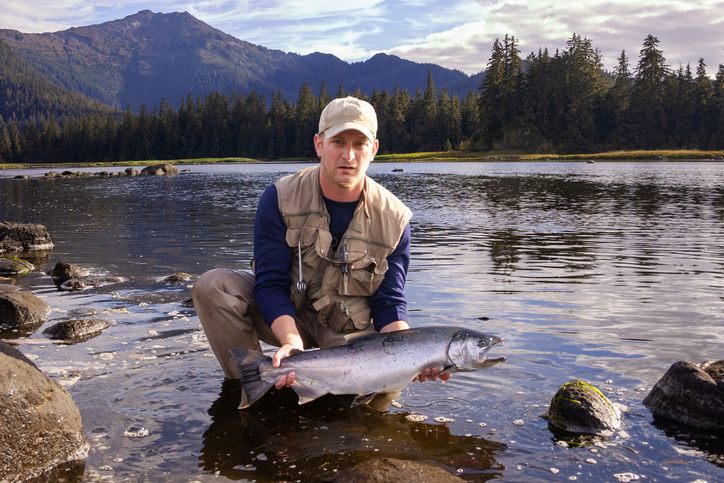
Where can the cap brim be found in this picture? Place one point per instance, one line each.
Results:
(334, 130)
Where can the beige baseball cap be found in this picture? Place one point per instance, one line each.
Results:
(348, 113)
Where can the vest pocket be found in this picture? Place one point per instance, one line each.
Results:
(346, 314)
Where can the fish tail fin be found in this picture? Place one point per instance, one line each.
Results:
(252, 386)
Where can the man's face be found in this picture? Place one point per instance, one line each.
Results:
(344, 158)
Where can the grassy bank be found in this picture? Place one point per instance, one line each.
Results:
(518, 156)
(451, 156)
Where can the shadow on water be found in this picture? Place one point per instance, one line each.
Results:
(280, 440)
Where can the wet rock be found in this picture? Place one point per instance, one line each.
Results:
(72, 331)
(14, 266)
(20, 309)
(691, 394)
(91, 281)
(18, 237)
(22, 176)
(719, 158)
(398, 170)
(384, 470)
(179, 277)
(40, 426)
(131, 172)
(660, 158)
(63, 271)
(580, 408)
(160, 169)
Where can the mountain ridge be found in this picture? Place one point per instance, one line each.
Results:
(146, 57)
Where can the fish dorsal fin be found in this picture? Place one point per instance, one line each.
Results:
(295, 351)
(363, 399)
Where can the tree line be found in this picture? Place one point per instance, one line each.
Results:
(565, 103)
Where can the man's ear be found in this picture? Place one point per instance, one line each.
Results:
(318, 140)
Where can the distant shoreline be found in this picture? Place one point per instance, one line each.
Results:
(452, 156)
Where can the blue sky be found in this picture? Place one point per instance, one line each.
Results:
(457, 34)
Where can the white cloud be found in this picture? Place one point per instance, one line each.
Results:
(687, 30)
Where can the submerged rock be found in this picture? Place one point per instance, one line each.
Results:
(20, 309)
(40, 425)
(14, 266)
(580, 408)
(91, 281)
(19, 237)
(72, 331)
(691, 394)
(175, 278)
(384, 470)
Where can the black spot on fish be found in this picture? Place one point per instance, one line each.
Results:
(391, 340)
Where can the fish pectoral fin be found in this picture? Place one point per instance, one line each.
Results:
(307, 393)
(363, 399)
(447, 369)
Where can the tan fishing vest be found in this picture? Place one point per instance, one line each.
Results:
(372, 235)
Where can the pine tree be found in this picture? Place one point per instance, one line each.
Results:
(648, 117)
(5, 145)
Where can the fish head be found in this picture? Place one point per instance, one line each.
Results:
(468, 350)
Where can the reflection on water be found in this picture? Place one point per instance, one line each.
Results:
(327, 436)
(607, 272)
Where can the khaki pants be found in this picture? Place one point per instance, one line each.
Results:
(225, 303)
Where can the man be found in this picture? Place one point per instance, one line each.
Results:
(331, 252)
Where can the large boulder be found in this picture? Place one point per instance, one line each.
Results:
(383, 470)
(40, 426)
(160, 169)
(20, 310)
(18, 237)
(691, 394)
(580, 408)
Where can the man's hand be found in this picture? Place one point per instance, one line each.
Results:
(286, 331)
(432, 373)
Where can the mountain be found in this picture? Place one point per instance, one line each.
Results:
(148, 56)
(27, 95)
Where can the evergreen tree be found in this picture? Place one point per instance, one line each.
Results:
(5, 145)
(704, 114)
(306, 121)
(648, 100)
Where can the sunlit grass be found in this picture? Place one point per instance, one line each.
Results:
(441, 156)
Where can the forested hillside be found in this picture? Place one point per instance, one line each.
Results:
(28, 96)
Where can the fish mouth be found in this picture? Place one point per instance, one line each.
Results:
(489, 362)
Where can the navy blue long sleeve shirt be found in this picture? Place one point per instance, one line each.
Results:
(273, 263)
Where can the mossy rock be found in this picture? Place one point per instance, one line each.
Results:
(580, 408)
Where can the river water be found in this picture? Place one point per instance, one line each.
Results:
(606, 272)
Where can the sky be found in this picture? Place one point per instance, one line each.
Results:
(457, 34)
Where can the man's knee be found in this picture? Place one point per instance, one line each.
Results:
(216, 279)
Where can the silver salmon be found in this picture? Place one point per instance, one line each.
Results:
(368, 365)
